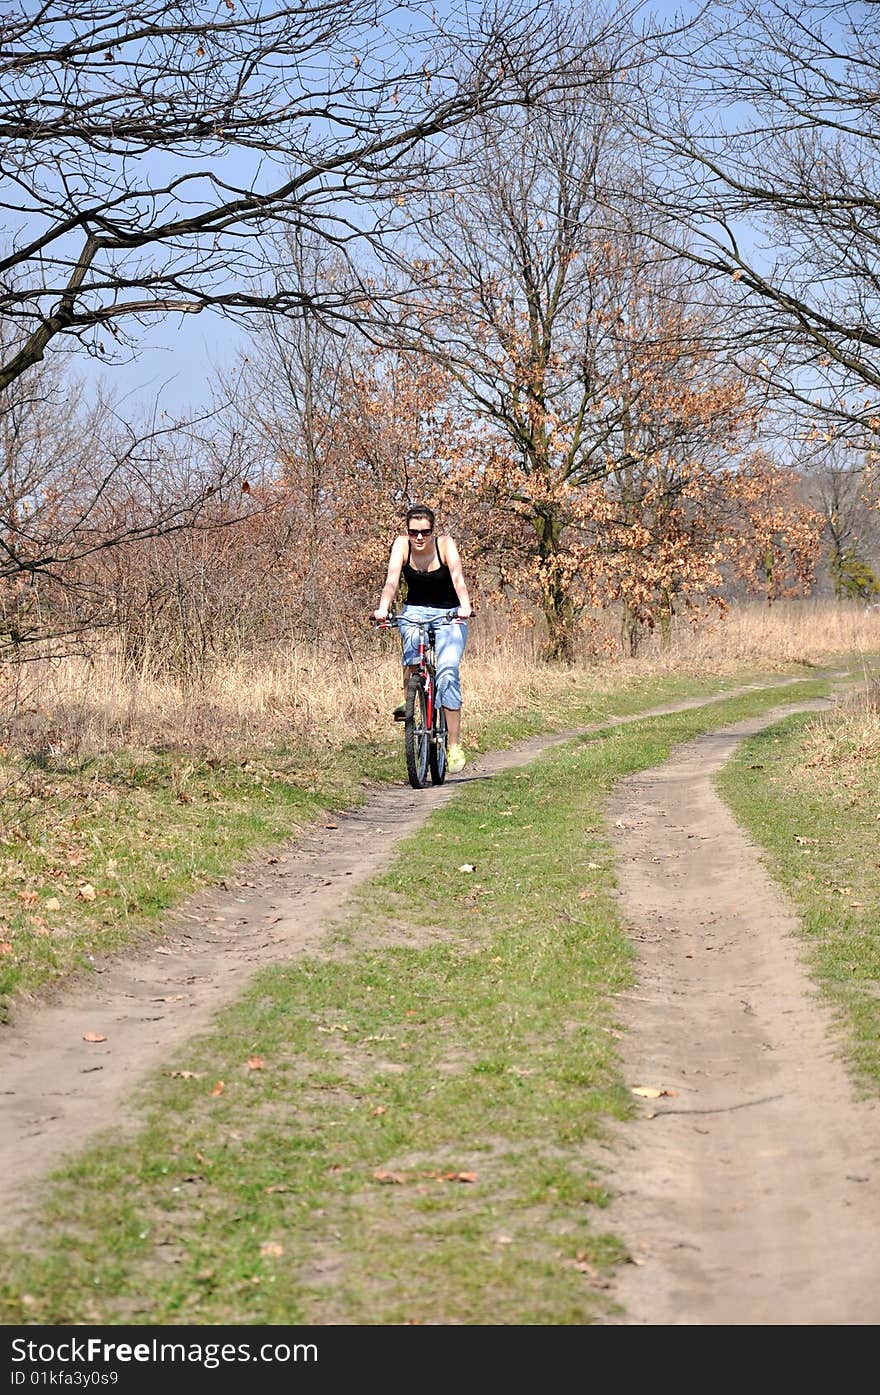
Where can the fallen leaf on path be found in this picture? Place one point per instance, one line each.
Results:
(651, 1092)
(459, 1177)
(255, 1063)
(86, 892)
(185, 1074)
(271, 1250)
(219, 1088)
(381, 1176)
(53, 904)
(94, 1036)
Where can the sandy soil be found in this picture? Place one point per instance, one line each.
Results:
(747, 1195)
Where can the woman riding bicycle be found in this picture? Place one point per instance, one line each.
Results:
(435, 590)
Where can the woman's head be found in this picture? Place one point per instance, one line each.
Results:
(419, 521)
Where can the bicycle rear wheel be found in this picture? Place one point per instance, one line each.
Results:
(437, 758)
(416, 736)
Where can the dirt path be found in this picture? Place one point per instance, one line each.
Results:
(751, 1210)
(750, 1194)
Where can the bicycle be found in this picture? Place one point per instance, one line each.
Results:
(425, 736)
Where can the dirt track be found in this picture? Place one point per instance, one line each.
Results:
(758, 1208)
(750, 1193)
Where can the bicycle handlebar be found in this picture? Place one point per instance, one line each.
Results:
(393, 622)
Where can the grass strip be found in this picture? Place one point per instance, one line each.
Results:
(408, 1128)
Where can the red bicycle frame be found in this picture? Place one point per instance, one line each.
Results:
(427, 679)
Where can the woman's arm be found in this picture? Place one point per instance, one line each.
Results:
(453, 562)
(392, 579)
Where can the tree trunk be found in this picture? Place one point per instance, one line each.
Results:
(630, 632)
(667, 610)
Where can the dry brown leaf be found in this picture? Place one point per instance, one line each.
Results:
(380, 1109)
(219, 1088)
(381, 1176)
(271, 1250)
(185, 1074)
(94, 1036)
(650, 1092)
(53, 904)
(86, 892)
(255, 1063)
(459, 1176)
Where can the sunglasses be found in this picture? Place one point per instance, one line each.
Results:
(420, 532)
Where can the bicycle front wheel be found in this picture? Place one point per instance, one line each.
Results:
(416, 736)
(439, 738)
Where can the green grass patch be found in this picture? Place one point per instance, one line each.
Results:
(407, 1129)
(821, 841)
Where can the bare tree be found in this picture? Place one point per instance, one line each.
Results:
(150, 148)
(287, 392)
(80, 483)
(835, 486)
(764, 137)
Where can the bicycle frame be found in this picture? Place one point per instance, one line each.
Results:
(426, 667)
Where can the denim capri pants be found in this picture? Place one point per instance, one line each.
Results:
(450, 642)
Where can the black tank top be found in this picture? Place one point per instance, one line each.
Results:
(430, 588)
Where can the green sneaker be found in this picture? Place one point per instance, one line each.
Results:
(455, 760)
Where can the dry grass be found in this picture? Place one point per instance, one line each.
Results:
(304, 693)
(842, 748)
(788, 632)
